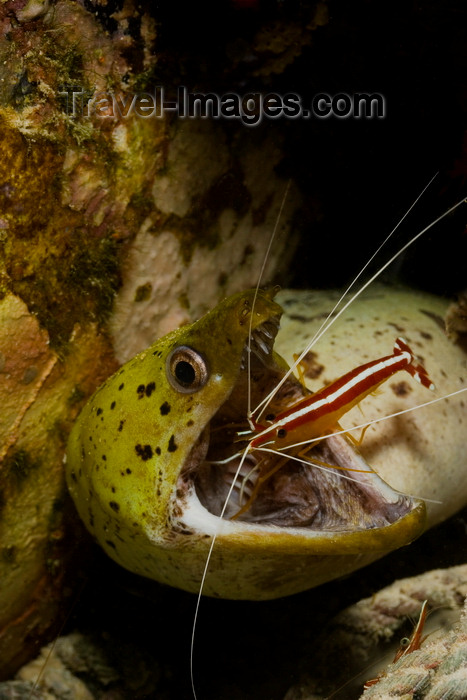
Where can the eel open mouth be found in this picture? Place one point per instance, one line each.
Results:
(326, 496)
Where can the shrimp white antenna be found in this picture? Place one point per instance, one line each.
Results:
(329, 321)
(371, 258)
(206, 567)
(244, 455)
(353, 282)
(261, 273)
(330, 469)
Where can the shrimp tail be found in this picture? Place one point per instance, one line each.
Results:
(414, 368)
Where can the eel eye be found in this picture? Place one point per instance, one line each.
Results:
(187, 370)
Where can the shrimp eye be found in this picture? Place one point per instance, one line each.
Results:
(405, 641)
(187, 370)
(270, 418)
(281, 433)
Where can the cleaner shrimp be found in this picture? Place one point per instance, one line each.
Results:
(407, 644)
(383, 664)
(290, 431)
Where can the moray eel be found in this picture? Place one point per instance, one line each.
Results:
(144, 467)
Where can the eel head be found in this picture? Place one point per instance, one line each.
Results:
(154, 454)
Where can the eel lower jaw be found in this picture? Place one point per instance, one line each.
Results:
(332, 490)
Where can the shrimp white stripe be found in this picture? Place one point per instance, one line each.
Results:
(352, 382)
(344, 431)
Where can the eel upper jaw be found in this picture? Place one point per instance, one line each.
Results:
(317, 498)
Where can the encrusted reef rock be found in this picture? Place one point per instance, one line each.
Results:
(360, 642)
(41, 393)
(107, 218)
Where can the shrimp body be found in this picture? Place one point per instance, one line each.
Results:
(318, 414)
(407, 644)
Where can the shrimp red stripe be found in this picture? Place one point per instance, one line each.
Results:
(323, 409)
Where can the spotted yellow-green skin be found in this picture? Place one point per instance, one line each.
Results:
(130, 444)
(127, 447)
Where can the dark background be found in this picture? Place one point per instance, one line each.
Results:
(357, 179)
